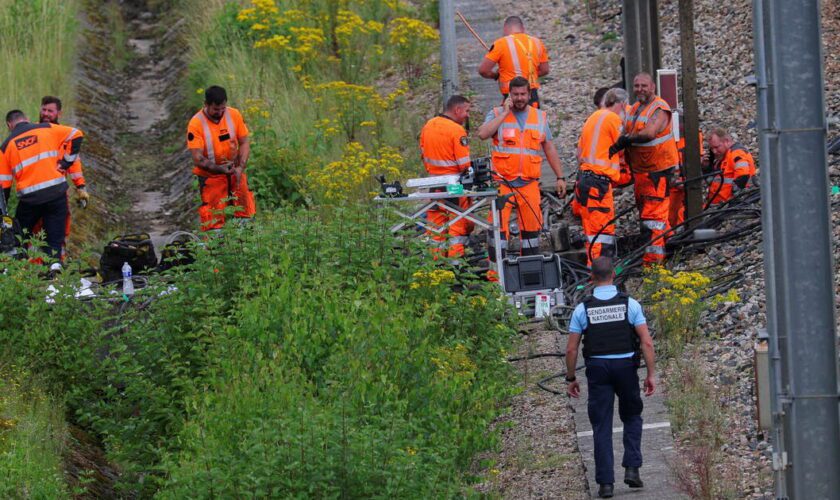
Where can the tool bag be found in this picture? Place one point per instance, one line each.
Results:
(176, 254)
(10, 235)
(136, 249)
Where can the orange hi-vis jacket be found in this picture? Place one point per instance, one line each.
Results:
(736, 163)
(519, 54)
(218, 141)
(655, 155)
(445, 146)
(600, 131)
(30, 157)
(516, 153)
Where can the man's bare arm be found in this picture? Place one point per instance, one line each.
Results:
(486, 69)
(542, 69)
(204, 163)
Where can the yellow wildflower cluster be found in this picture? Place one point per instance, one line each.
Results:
(309, 41)
(413, 41)
(407, 30)
(352, 177)
(685, 287)
(350, 26)
(454, 362)
(256, 108)
(353, 107)
(429, 279)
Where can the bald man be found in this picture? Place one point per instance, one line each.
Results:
(651, 152)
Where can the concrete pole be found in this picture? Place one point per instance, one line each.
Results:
(448, 50)
(798, 247)
(640, 22)
(691, 112)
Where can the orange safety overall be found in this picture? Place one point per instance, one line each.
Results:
(519, 54)
(735, 164)
(652, 164)
(594, 188)
(219, 143)
(517, 167)
(445, 148)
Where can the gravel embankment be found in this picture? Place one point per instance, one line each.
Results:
(585, 47)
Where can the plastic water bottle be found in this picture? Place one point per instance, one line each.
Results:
(128, 284)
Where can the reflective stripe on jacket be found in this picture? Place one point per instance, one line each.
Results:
(444, 146)
(657, 154)
(516, 153)
(600, 131)
(30, 157)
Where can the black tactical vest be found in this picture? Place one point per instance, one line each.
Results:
(609, 330)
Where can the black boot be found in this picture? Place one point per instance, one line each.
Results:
(632, 478)
(605, 490)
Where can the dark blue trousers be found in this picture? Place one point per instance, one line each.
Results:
(608, 378)
(54, 216)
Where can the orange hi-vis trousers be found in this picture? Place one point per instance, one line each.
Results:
(456, 236)
(216, 194)
(526, 200)
(653, 201)
(594, 195)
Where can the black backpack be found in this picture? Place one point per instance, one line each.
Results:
(136, 249)
(176, 254)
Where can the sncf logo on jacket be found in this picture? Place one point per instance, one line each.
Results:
(25, 142)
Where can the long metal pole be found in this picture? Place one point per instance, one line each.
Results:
(691, 152)
(798, 246)
(777, 382)
(448, 49)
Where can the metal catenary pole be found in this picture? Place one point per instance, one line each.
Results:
(798, 247)
(448, 50)
(777, 378)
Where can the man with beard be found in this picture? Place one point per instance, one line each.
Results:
(651, 152)
(217, 138)
(520, 133)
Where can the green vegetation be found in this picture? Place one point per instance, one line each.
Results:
(37, 50)
(32, 437)
(314, 78)
(302, 356)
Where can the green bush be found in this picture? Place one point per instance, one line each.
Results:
(302, 354)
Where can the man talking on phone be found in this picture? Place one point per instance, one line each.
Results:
(520, 134)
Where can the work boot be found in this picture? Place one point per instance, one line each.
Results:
(632, 478)
(605, 490)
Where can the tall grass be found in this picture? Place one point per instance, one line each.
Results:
(37, 50)
(32, 440)
(278, 90)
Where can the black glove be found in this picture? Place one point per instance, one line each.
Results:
(742, 181)
(621, 144)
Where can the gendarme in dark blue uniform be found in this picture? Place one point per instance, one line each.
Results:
(612, 327)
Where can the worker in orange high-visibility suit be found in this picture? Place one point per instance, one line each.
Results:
(445, 147)
(598, 101)
(735, 163)
(50, 112)
(676, 203)
(217, 138)
(37, 158)
(651, 152)
(520, 132)
(599, 172)
(517, 54)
